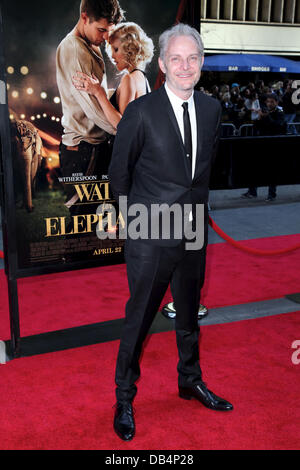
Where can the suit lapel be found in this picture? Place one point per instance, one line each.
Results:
(200, 130)
(168, 108)
(170, 112)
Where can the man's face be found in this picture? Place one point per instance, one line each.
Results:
(182, 65)
(271, 104)
(96, 31)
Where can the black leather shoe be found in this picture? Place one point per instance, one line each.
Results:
(123, 421)
(205, 396)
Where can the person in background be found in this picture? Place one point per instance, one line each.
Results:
(270, 122)
(224, 89)
(226, 106)
(246, 93)
(259, 86)
(251, 86)
(289, 108)
(277, 88)
(238, 111)
(252, 104)
(235, 89)
(215, 93)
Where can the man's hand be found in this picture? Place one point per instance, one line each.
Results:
(91, 85)
(262, 114)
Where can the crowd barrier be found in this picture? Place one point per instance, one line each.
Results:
(245, 161)
(228, 129)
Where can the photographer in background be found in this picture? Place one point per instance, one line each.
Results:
(271, 121)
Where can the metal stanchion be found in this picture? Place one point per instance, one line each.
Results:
(169, 311)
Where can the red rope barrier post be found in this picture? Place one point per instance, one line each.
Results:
(1, 255)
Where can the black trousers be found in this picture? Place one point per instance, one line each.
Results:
(150, 269)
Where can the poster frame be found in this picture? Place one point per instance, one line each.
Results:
(9, 222)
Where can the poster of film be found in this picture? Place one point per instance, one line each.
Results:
(59, 208)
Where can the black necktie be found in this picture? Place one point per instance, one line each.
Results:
(187, 133)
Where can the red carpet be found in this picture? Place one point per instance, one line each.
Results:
(66, 300)
(64, 400)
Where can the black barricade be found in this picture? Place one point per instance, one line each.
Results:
(242, 162)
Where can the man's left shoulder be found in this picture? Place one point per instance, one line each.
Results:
(207, 101)
(149, 98)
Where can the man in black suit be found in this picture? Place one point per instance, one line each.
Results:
(163, 154)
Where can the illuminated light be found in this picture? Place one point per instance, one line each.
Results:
(24, 70)
(44, 115)
(22, 116)
(29, 91)
(11, 117)
(15, 94)
(53, 118)
(50, 140)
(57, 119)
(44, 95)
(49, 159)
(8, 86)
(56, 100)
(32, 118)
(38, 116)
(10, 70)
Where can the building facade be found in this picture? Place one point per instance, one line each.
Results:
(251, 26)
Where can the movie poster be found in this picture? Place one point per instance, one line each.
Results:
(59, 211)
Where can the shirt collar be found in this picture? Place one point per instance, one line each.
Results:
(176, 101)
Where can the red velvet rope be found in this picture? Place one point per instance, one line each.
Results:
(1, 254)
(248, 249)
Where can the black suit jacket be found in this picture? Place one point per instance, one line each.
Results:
(149, 163)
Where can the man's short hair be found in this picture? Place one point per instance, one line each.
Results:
(180, 29)
(272, 96)
(107, 9)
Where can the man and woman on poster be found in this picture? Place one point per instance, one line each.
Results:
(131, 50)
(163, 152)
(90, 119)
